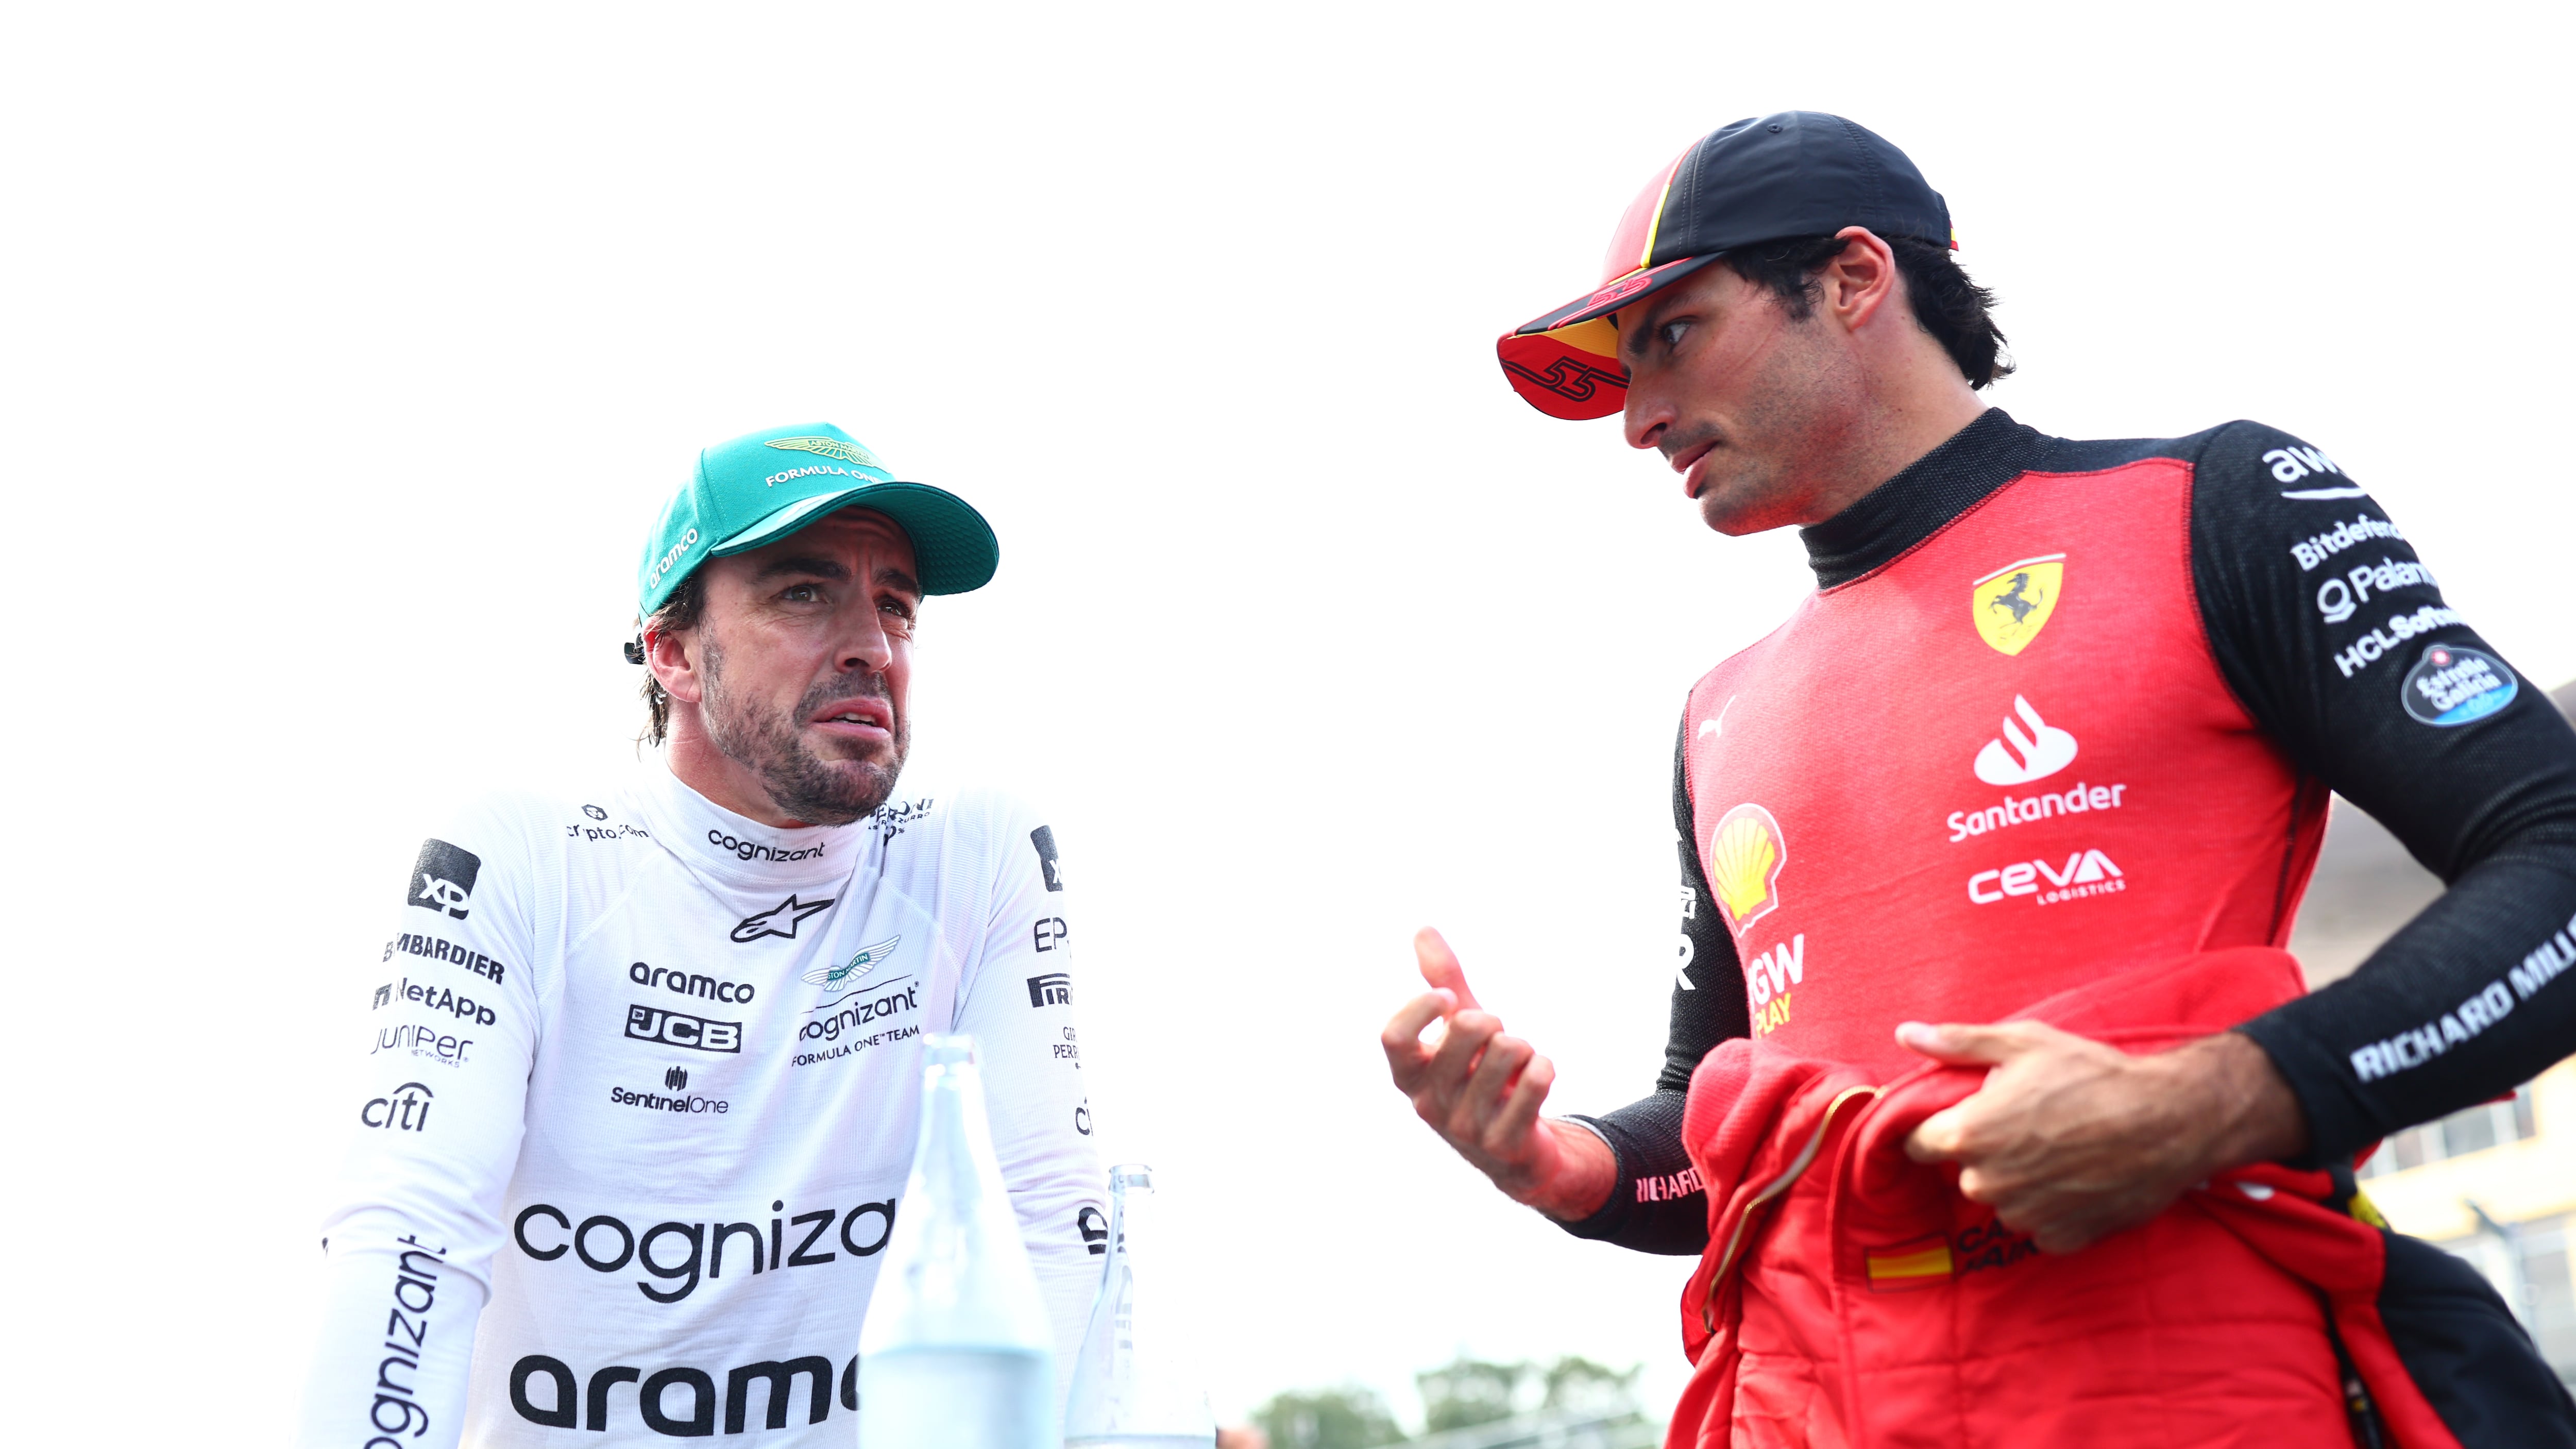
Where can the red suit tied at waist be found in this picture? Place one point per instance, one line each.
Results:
(1850, 1296)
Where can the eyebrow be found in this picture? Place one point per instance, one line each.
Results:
(821, 568)
(1632, 341)
(809, 566)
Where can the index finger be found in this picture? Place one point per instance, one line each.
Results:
(1402, 1035)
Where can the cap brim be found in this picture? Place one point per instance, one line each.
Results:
(1566, 363)
(952, 545)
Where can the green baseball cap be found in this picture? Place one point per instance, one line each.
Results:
(761, 487)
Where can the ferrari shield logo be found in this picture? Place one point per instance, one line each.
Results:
(2012, 604)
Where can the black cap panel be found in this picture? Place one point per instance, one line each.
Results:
(1796, 173)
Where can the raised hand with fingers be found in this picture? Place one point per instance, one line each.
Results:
(1481, 1090)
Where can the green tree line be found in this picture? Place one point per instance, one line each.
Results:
(1457, 1395)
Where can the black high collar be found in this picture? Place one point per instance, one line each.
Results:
(1912, 506)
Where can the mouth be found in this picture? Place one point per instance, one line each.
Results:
(855, 719)
(1687, 463)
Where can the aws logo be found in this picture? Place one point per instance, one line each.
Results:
(2011, 605)
(1745, 855)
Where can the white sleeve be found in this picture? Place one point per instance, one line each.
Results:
(1018, 1006)
(436, 1109)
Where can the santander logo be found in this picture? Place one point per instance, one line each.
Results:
(2022, 756)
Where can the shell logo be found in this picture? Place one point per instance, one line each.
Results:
(1744, 859)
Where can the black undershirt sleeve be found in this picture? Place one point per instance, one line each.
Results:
(1657, 1205)
(2337, 640)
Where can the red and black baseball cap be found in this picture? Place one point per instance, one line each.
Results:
(1796, 173)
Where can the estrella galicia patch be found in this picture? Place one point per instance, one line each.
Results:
(2454, 686)
(442, 879)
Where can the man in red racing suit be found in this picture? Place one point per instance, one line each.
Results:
(1993, 1109)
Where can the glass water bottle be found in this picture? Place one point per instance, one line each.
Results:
(1134, 1386)
(956, 1352)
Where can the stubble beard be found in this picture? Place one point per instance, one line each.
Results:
(803, 785)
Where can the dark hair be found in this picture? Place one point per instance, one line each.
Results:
(687, 604)
(1946, 304)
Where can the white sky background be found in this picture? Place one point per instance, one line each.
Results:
(345, 354)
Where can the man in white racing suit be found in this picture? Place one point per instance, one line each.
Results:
(640, 1073)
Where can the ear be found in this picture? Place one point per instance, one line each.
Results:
(673, 657)
(1861, 281)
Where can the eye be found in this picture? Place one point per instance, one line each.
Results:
(1670, 333)
(802, 593)
(899, 613)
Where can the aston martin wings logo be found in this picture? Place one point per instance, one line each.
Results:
(841, 978)
(2012, 604)
(829, 448)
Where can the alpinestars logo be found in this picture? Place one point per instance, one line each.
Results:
(442, 879)
(781, 919)
(2022, 756)
(840, 981)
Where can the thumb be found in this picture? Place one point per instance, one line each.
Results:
(1963, 1046)
(1440, 967)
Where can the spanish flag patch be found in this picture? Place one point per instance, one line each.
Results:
(1922, 1263)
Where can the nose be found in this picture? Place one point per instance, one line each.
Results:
(864, 645)
(1648, 417)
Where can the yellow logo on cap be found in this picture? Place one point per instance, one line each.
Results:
(2012, 604)
(830, 448)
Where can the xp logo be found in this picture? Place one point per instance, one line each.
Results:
(404, 1109)
(1053, 989)
(1044, 839)
(672, 1028)
(443, 878)
(839, 981)
(677, 1078)
(781, 919)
